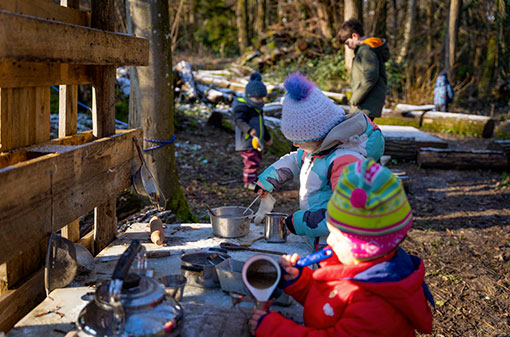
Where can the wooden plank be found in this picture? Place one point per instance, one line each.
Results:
(87, 241)
(24, 116)
(72, 231)
(456, 159)
(30, 39)
(421, 138)
(85, 176)
(47, 10)
(14, 74)
(16, 303)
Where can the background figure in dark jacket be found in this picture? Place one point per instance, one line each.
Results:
(368, 75)
(443, 92)
(250, 127)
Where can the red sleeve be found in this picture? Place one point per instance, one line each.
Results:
(299, 289)
(338, 166)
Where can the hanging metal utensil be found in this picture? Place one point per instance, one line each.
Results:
(145, 183)
(60, 265)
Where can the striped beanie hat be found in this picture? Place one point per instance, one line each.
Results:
(369, 206)
(307, 114)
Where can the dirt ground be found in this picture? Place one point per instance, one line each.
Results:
(461, 223)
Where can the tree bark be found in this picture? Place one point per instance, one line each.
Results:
(324, 20)
(261, 16)
(242, 29)
(154, 96)
(351, 10)
(381, 14)
(408, 30)
(453, 26)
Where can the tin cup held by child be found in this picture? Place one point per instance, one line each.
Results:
(174, 285)
(275, 229)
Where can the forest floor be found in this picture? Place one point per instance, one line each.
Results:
(461, 223)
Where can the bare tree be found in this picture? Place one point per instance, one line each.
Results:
(324, 19)
(453, 26)
(153, 95)
(408, 30)
(242, 24)
(351, 10)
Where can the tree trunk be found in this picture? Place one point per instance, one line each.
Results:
(155, 99)
(324, 20)
(351, 10)
(453, 25)
(430, 21)
(381, 14)
(408, 30)
(242, 29)
(261, 16)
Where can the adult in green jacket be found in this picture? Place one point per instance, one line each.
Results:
(368, 75)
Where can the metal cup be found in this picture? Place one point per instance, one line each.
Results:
(275, 229)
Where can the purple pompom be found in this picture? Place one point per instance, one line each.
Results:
(298, 86)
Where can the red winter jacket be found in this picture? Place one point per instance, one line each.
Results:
(382, 297)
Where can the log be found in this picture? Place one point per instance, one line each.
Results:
(455, 159)
(500, 145)
(400, 148)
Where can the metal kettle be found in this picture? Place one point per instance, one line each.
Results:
(130, 305)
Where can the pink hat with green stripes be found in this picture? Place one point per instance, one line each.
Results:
(369, 206)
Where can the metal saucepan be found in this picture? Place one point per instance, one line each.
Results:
(229, 221)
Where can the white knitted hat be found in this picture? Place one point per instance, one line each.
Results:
(307, 114)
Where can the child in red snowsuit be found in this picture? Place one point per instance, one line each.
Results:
(370, 286)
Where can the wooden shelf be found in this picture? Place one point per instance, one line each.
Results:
(31, 39)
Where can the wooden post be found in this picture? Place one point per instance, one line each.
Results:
(103, 121)
(68, 123)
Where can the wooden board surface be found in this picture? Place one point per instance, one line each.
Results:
(15, 303)
(15, 74)
(46, 9)
(421, 138)
(30, 39)
(83, 177)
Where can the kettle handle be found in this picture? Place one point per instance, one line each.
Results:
(125, 261)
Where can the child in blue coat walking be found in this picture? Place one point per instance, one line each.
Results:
(443, 92)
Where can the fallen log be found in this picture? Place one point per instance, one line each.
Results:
(500, 145)
(457, 159)
(400, 148)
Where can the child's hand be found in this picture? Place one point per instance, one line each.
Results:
(254, 319)
(269, 142)
(288, 262)
(262, 193)
(253, 132)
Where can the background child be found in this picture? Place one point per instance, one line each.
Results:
(443, 92)
(327, 140)
(249, 121)
(369, 287)
(368, 74)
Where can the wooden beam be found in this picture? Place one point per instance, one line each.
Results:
(103, 121)
(455, 159)
(24, 116)
(16, 303)
(30, 39)
(15, 74)
(84, 176)
(47, 10)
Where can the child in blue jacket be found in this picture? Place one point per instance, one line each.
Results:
(249, 121)
(443, 92)
(327, 140)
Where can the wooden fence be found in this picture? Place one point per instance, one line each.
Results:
(44, 44)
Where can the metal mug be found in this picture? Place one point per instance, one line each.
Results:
(275, 229)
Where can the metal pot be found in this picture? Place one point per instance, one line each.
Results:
(229, 221)
(200, 268)
(130, 305)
